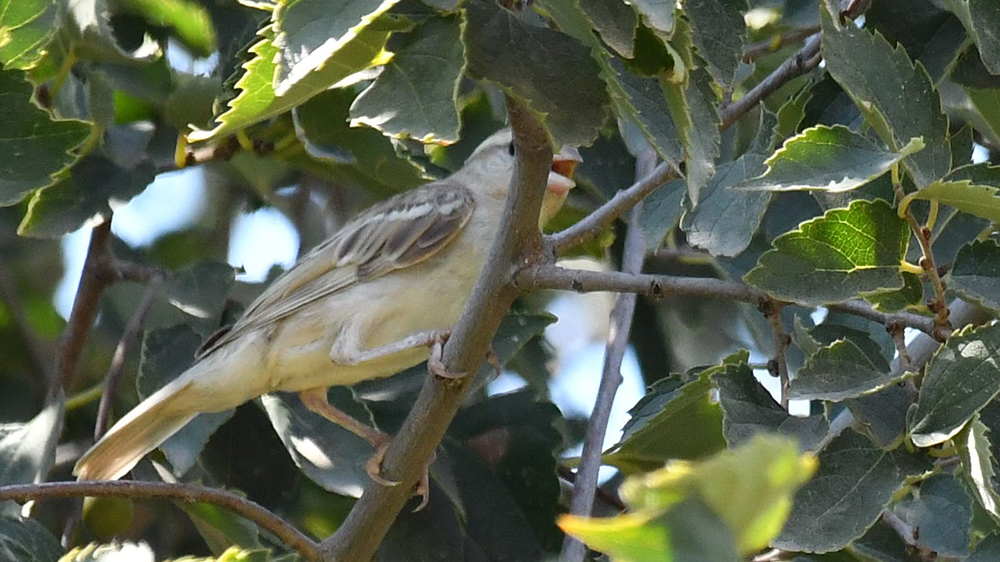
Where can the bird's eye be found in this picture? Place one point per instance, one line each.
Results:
(510, 148)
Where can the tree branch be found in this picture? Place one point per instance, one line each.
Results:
(132, 489)
(413, 447)
(585, 486)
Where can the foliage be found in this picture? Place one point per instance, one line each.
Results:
(814, 220)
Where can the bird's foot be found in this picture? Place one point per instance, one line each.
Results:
(374, 469)
(435, 364)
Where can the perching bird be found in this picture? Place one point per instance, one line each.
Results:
(366, 303)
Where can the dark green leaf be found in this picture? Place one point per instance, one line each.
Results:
(615, 21)
(661, 212)
(976, 273)
(942, 513)
(883, 414)
(854, 482)
(893, 94)
(166, 354)
(972, 189)
(30, 135)
(835, 257)
(726, 219)
(718, 31)
(28, 26)
(657, 14)
(910, 297)
(973, 445)
(416, 94)
(554, 74)
(833, 159)
(986, 551)
(25, 540)
(962, 377)
(981, 19)
(28, 450)
(692, 105)
(839, 371)
(81, 195)
(881, 543)
(749, 409)
(201, 289)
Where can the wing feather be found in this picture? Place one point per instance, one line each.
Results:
(397, 233)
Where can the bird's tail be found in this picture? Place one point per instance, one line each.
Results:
(139, 432)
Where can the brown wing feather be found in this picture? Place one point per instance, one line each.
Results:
(394, 234)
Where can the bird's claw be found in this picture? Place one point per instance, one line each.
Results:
(434, 363)
(374, 469)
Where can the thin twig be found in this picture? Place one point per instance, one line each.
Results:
(756, 50)
(806, 59)
(573, 550)
(98, 273)
(129, 335)
(778, 365)
(288, 535)
(519, 240)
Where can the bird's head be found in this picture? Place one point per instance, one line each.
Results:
(494, 159)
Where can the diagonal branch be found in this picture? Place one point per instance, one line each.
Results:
(413, 447)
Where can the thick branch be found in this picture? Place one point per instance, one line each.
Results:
(413, 447)
(252, 511)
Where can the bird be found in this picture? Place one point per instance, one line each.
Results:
(368, 302)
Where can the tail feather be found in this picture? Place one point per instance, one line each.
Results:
(139, 432)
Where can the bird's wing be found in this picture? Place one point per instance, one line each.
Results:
(394, 234)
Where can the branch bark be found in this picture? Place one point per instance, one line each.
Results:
(439, 399)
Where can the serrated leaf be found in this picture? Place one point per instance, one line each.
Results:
(28, 450)
(854, 482)
(973, 446)
(942, 512)
(615, 21)
(748, 409)
(166, 354)
(718, 31)
(962, 377)
(26, 27)
(637, 100)
(840, 371)
(28, 134)
(836, 257)
(971, 189)
(726, 219)
(657, 14)
(554, 74)
(258, 99)
(895, 95)
(25, 540)
(83, 195)
(670, 423)
(308, 34)
(911, 296)
(833, 159)
(981, 19)
(692, 105)
(976, 273)
(417, 92)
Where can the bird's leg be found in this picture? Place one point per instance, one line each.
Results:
(346, 350)
(315, 401)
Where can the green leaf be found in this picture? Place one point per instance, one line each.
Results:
(615, 21)
(94, 36)
(981, 19)
(962, 377)
(854, 482)
(258, 99)
(839, 371)
(942, 512)
(973, 446)
(976, 273)
(26, 27)
(718, 31)
(201, 289)
(190, 22)
(670, 423)
(554, 74)
(637, 100)
(661, 212)
(166, 354)
(416, 94)
(28, 134)
(910, 297)
(25, 540)
(748, 410)
(692, 105)
(749, 489)
(836, 257)
(972, 189)
(309, 34)
(657, 14)
(28, 450)
(725, 219)
(833, 159)
(882, 414)
(986, 551)
(82, 195)
(895, 96)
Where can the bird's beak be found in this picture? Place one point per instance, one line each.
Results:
(564, 163)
